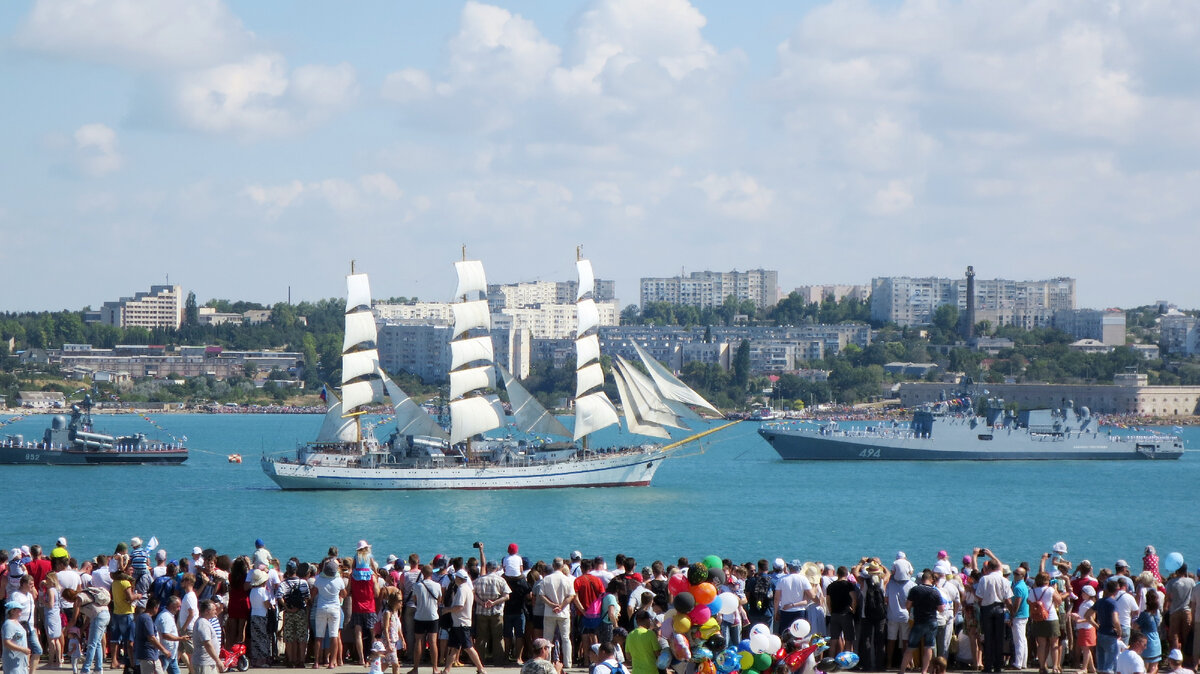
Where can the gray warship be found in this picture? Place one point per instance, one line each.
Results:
(75, 442)
(951, 430)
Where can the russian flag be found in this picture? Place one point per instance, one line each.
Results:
(324, 397)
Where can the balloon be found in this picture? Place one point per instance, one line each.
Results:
(701, 653)
(760, 642)
(677, 583)
(828, 665)
(743, 646)
(746, 661)
(681, 624)
(729, 603)
(714, 607)
(847, 659)
(684, 602)
(704, 593)
(759, 628)
(799, 628)
(762, 662)
(709, 628)
(715, 643)
(697, 573)
(716, 577)
(781, 653)
(712, 562)
(795, 660)
(728, 660)
(699, 615)
(776, 644)
(1172, 563)
(707, 667)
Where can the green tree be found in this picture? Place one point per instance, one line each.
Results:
(191, 313)
(741, 365)
(945, 318)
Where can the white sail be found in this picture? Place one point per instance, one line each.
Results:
(588, 315)
(335, 427)
(587, 349)
(360, 329)
(470, 315)
(669, 386)
(683, 411)
(358, 292)
(359, 363)
(587, 281)
(588, 378)
(469, 350)
(593, 412)
(359, 393)
(470, 278)
(646, 403)
(470, 379)
(633, 422)
(530, 415)
(410, 418)
(470, 416)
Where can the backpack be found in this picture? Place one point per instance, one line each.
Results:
(874, 603)
(1037, 610)
(758, 594)
(294, 599)
(99, 595)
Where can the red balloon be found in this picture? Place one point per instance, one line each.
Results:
(781, 653)
(794, 660)
(678, 583)
(700, 615)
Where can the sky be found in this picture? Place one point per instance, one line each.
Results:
(242, 147)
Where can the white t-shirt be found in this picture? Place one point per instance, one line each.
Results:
(102, 578)
(464, 597)
(1081, 611)
(26, 602)
(188, 610)
(159, 571)
(1126, 605)
(557, 588)
(328, 591)
(512, 565)
(258, 595)
(68, 579)
(791, 591)
(1130, 662)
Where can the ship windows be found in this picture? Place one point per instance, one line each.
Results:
(983, 436)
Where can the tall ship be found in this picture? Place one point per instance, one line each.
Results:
(420, 454)
(75, 441)
(951, 431)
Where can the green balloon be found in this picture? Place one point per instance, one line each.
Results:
(713, 562)
(762, 662)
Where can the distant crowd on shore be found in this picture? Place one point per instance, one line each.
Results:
(142, 609)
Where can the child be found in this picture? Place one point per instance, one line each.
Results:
(377, 651)
(74, 649)
(391, 634)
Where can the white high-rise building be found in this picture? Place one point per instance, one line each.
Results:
(162, 307)
(905, 300)
(709, 289)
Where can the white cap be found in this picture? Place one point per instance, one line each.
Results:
(61, 541)
(1089, 590)
(779, 563)
(576, 555)
(1175, 655)
(197, 551)
(900, 555)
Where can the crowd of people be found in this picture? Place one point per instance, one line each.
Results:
(139, 609)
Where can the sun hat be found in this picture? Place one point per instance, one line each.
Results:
(1059, 548)
(258, 578)
(378, 647)
(135, 542)
(362, 544)
(795, 565)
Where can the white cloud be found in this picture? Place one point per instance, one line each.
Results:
(737, 195)
(258, 97)
(341, 195)
(893, 198)
(139, 34)
(96, 151)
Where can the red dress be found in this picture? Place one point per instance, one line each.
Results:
(239, 602)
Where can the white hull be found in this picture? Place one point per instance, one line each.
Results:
(627, 469)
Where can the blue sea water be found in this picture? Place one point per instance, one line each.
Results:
(736, 499)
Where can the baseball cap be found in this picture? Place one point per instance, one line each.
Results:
(942, 554)
(1175, 655)
(1089, 590)
(439, 561)
(61, 541)
(576, 555)
(197, 551)
(392, 559)
(292, 566)
(462, 573)
(900, 555)
(795, 565)
(512, 548)
(1122, 563)
(779, 563)
(258, 543)
(10, 605)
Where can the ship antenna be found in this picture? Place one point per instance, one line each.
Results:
(464, 252)
(578, 253)
(352, 266)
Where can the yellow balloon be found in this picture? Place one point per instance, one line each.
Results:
(709, 628)
(682, 624)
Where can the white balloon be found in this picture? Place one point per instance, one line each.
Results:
(729, 603)
(760, 628)
(799, 628)
(760, 642)
(775, 645)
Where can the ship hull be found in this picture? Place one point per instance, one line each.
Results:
(32, 456)
(624, 470)
(799, 445)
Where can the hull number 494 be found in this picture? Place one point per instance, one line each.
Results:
(869, 453)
